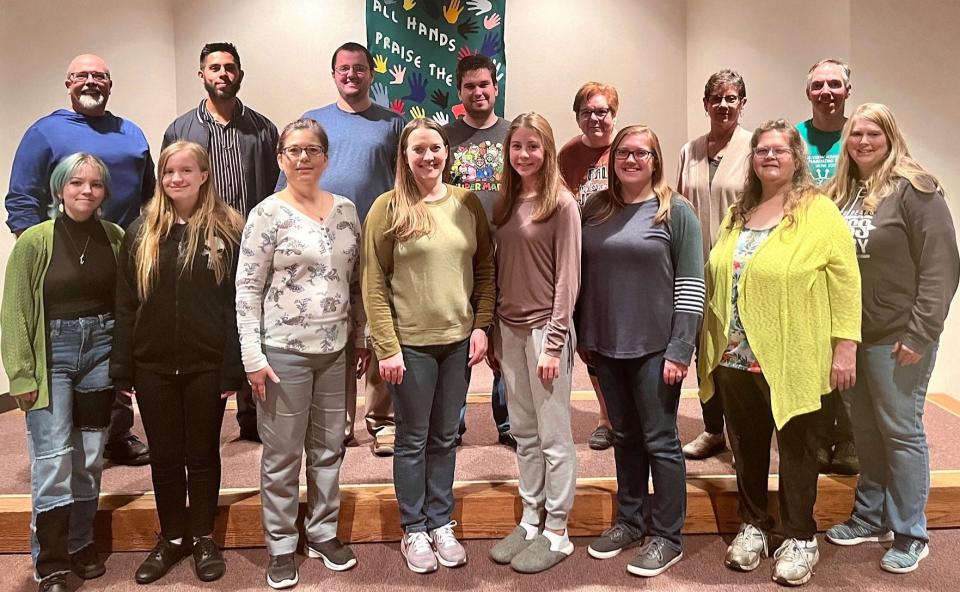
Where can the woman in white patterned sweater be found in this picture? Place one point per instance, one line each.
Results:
(298, 306)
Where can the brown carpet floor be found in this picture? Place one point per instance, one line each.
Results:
(380, 569)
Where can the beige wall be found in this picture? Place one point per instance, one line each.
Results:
(657, 52)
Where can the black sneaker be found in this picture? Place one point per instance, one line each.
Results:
(282, 571)
(507, 439)
(601, 438)
(335, 555)
(54, 583)
(159, 561)
(86, 563)
(845, 461)
(654, 558)
(208, 559)
(611, 542)
(128, 451)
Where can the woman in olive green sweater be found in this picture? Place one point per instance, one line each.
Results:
(428, 290)
(780, 330)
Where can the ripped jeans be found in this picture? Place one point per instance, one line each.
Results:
(66, 439)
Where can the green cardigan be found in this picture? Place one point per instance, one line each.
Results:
(799, 293)
(23, 341)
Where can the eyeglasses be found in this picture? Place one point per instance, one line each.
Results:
(776, 151)
(731, 100)
(598, 113)
(357, 69)
(294, 152)
(638, 155)
(95, 76)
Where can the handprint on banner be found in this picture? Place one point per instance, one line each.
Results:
(459, 110)
(409, 4)
(440, 98)
(398, 72)
(465, 52)
(479, 6)
(418, 88)
(379, 64)
(492, 44)
(492, 21)
(452, 11)
(418, 112)
(467, 28)
(441, 118)
(397, 106)
(498, 65)
(380, 95)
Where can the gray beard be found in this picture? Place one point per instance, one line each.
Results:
(91, 102)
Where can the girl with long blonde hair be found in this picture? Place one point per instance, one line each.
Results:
(538, 277)
(428, 290)
(176, 349)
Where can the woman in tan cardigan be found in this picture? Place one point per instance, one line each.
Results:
(713, 169)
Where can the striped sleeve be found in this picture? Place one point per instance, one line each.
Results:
(689, 289)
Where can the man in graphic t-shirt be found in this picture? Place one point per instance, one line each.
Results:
(476, 163)
(828, 87)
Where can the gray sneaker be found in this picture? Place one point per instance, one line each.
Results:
(538, 556)
(654, 558)
(449, 551)
(335, 555)
(282, 571)
(794, 562)
(508, 547)
(612, 541)
(904, 556)
(704, 446)
(747, 549)
(418, 552)
(852, 532)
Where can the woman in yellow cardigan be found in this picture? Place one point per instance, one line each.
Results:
(781, 328)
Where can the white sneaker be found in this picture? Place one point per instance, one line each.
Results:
(418, 552)
(794, 561)
(449, 551)
(704, 446)
(747, 549)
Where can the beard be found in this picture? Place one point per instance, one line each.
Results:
(92, 101)
(227, 92)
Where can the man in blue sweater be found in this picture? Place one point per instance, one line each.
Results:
(86, 127)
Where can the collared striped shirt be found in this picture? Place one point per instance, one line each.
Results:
(226, 158)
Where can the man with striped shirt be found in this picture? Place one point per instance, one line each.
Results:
(243, 155)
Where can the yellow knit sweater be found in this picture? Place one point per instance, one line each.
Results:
(799, 293)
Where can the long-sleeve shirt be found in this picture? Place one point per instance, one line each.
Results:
(909, 266)
(432, 290)
(538, 270)
(298, 281)
(119, 143)
(643, 283)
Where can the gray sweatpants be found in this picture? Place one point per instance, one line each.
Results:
(540, 421)
(306, 410)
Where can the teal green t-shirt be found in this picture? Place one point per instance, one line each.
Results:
(823, 150)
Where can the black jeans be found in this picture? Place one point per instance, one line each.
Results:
(712, 416)
(750, 426)
(835, 424)
(182, 415)
(643, 413)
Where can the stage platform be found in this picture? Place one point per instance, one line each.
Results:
(486, 489)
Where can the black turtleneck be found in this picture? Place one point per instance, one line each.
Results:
(72, 290)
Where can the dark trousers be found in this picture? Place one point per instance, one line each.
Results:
(182, 415)
(750, 426)
(643, 413)
(498, 406)
(712, 416)
(246, 411)
(121, 419)
(835, 424)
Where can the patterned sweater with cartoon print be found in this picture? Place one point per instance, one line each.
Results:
(187, 324)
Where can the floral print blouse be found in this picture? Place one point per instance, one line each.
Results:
(738, 354)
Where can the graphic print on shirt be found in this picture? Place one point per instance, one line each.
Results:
(861, 224)
(594, 180)
(822, 166)
(478, 167)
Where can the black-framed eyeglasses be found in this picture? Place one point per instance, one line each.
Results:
(294, 152)
(638, 154)
(732, 100)
(95, 76)
(598, 113)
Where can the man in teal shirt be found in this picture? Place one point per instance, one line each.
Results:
(828, 87)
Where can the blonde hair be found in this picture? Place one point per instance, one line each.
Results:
(801, 184)
(410, 218)
(896, 164)
(211, 220)
(605, 204)
(549, 184)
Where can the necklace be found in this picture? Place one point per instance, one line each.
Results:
(82, 253)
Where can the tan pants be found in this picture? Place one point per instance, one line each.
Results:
(379, 406)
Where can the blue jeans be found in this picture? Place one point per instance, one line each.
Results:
(498, 405)
(427, 409)
(66, 461)
(886, 409)
(643, 413)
